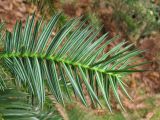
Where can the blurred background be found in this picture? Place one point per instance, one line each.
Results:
(136, 21)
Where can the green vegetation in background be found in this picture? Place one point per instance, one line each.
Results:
(80, 113)
(138, 18)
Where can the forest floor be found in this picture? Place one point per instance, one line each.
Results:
(144, 88)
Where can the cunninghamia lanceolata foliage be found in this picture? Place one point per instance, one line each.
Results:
(61, 63)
